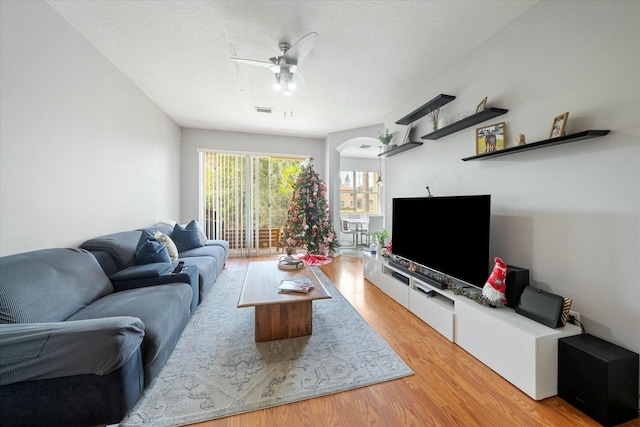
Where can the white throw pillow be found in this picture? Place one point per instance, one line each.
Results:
(168, 243)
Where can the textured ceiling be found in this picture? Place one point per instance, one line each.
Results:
(368, 56)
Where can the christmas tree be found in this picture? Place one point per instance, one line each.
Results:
(308, 221)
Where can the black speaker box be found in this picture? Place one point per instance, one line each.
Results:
(517, 280)
(599, 378)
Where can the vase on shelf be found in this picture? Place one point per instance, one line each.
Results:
(385, 148)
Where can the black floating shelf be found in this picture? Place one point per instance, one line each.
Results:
(422, 111)
(400, 148)
(480, 117)
(587, 134)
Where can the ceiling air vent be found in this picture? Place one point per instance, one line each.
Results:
(365, 146)
(266, 110)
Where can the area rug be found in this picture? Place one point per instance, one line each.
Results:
(217, 369)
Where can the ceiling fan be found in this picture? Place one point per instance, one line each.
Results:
(286, 65)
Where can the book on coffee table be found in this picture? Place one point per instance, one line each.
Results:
(296, 285)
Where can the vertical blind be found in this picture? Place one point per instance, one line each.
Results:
(244, 198)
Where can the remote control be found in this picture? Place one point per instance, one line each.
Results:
(179, 268)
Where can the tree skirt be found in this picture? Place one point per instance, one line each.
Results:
(311, 259)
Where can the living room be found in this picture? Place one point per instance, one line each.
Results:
(85, 152)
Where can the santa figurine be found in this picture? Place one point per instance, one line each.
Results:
(496, 285)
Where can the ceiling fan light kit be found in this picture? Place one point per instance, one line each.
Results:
(284, 79)
(285, 66)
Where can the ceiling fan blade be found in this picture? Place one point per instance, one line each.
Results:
(253, 62)
(298, 79)
(300, 49)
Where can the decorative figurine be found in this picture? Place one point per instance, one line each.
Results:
(495, 287)
(520, 139)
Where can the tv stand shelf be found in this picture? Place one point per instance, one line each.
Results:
(519, 349)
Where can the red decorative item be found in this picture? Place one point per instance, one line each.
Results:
(311, 259)
(496, 285)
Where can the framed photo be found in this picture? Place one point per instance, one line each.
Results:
(406, 134)
(490, 138)
(482, 105)
(559, 123)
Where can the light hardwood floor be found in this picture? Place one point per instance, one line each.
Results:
(449, 388)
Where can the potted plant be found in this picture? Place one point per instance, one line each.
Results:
(434, 117)
(386, 138)
(379, 237)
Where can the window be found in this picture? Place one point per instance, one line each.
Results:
(244, 199)
(359, 192)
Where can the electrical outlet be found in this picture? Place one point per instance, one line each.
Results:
(575, 315)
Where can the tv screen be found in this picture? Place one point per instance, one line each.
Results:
(447, 234)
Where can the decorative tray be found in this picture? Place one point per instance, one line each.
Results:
(293, 264)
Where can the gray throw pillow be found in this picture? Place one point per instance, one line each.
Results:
(149, 250)
(187, 237)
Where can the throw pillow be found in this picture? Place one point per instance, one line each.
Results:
(203, 237)
(168, 243)
(149, 250)
(168, 222)
(187, 237)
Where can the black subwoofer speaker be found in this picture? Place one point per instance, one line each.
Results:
(599, 378)
(517, 280)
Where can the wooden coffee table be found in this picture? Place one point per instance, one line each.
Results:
(279, 314)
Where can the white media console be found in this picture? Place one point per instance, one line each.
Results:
(522, 351)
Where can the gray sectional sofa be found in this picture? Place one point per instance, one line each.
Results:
(116, 253)
(84, 330)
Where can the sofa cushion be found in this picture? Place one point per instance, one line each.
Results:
(36, 351)
(211, 251)
(145, 271)
(207, 272)
(164, 311)
(150, 251)
(49, 285)
(187, 237)
(121, 246)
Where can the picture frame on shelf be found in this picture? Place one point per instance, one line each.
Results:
(482, 106)
(406, 134)
(490, 138)
(558, 125)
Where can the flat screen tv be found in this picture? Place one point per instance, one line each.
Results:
(449, 235)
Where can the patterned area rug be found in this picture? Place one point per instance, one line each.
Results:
(217, 369)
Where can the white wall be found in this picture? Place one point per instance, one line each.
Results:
(195, 139)
(82, 151)
(569, 213)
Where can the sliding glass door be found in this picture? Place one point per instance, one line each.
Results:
(244, 199)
